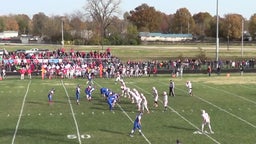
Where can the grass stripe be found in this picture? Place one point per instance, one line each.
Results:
(128, 118)
(189, 122)
(227, 92)
(21, 112)
(73, 114)
(222, 109)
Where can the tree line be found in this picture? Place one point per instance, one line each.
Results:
(98, 23)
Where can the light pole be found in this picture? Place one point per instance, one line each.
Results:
(217, 32)
(62, 33)
(188, 22)
(242, 39)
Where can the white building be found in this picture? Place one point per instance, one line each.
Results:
(153, 37)
(8, 34)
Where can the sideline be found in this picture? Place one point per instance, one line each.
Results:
(127, 116)
(73, 114)
(21, 111)
(181, 116)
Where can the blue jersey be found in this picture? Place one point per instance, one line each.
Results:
(78, 91)
(50, 94)
(108, 93)
(103, 90)
(111, 100)
(137, 124)
(89, 90)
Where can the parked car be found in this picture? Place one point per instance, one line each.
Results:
(1, 52)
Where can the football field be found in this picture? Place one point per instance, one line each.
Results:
(27, 117)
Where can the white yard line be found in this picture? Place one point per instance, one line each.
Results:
(21, 111)
(224, 110)
(227, 92)
(73, 114)
(127, 117)
(182, 117)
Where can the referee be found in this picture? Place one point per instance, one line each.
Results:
(171, 88)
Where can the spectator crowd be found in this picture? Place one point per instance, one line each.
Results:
(70, 64)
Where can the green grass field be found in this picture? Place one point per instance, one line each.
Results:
(157, 52)
(27, 118)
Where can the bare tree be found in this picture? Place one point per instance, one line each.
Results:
(102, 12)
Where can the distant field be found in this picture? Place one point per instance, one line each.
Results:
(27, 118)
(162, 52)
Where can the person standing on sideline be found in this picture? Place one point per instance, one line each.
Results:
(209, 71)
(50, 95)
(171, 88)
(22, 73)
(189, 86)
(155, 94)
(241, 67)
(137, 124)
(165, 100)
(29, 71)
(206, 121)
(78, 91)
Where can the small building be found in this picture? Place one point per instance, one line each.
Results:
(155, 37)
(8, 34)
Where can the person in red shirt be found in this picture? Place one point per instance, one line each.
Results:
(154, 71)
(22, 73)
(209, 71)
(29, 71)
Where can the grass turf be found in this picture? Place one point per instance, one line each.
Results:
(26, 116)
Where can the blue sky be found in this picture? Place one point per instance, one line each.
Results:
(60, 7)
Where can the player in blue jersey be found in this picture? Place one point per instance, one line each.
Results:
(50, 95)
(108, 93)
(111, 100)
(78, 91)
(137, 124)
(88, 92)
(103, 92)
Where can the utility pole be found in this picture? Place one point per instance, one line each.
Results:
(62, 32)
(217, 32)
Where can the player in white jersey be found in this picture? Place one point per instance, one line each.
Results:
(144, 103)
(189, 86)
(155, 94)
(137, 99)
(125, 91)
(165, 100)
(118, 77)
(206, 121)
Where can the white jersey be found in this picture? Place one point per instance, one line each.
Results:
(165, 100)
(136, 97)
(189, 85)
(144, 99)
(206, 117)
(155, 94)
